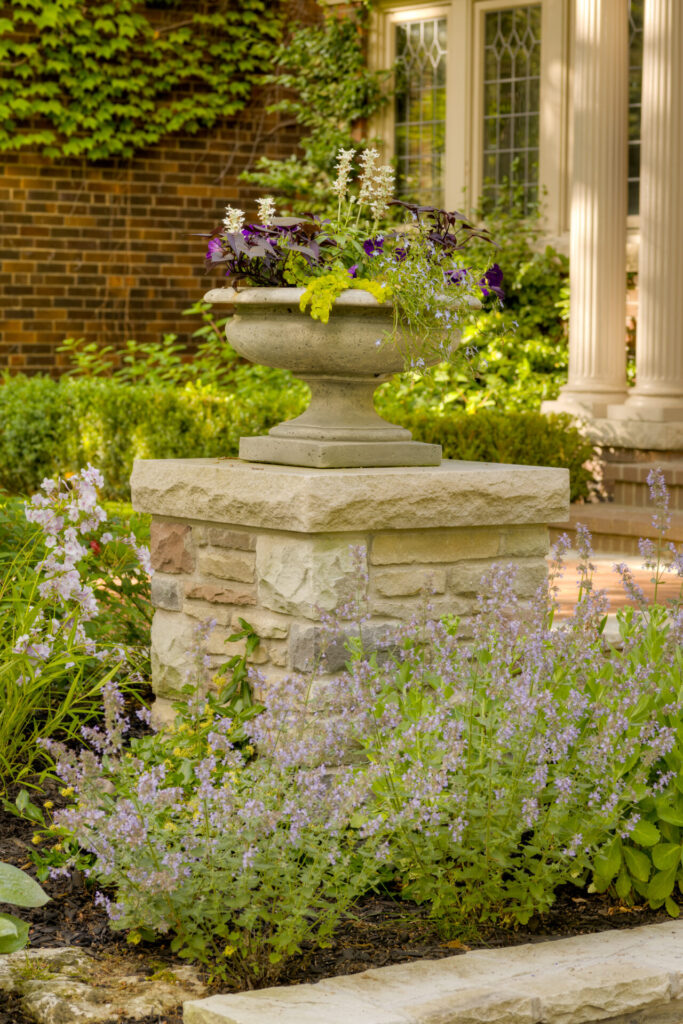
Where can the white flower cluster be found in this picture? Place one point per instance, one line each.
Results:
(340, 185)
(234, 219)
(377, 185)
(266, 210)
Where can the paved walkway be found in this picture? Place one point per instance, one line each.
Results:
(604, 578)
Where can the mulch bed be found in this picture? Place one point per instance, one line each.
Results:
(379, 933)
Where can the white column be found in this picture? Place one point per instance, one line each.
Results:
(597, 319)
(658, 394)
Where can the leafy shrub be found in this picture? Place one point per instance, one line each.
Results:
(110, 422)
(521, 438)
(74, 617)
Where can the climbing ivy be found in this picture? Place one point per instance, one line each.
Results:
(104, 78)
(332, 96)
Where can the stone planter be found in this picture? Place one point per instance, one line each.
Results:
(343, 363)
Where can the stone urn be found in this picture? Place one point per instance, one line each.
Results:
(342, 361)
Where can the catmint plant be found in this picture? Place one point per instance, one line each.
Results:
(59, 645)
(419, 266)
(239, 860)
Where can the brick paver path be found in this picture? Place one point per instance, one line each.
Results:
(604, 578)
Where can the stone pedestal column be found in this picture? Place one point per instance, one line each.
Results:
(597, 357)
(658, 394)
(278, 546)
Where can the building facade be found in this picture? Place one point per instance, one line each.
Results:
(578, 105)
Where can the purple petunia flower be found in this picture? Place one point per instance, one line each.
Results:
(353, 270)
(491, 282)
(214, 248)
(373, 245)
(456, 277)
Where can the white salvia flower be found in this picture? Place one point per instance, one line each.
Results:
(266, 209)
(384, 190)
(341, 183)
(368, 162)
(234, 219)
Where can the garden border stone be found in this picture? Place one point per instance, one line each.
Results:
(630, 976)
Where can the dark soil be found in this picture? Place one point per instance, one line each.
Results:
(382, 930)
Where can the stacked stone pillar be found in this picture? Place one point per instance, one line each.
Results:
(597, 361)
(281, 546)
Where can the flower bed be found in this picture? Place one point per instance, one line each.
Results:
(475, 787)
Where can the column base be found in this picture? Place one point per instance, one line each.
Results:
(648, 409)
(290, 451)
(583, 404)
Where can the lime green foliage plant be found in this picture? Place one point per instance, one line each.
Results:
(107, 78)
(19, 890)
(74, 617)
(329, 92)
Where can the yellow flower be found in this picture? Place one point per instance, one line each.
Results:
(177, 752)
(67, 791)
(169, 827)
(48, 804)
(228, 951)
(36, 839)
(57, 847)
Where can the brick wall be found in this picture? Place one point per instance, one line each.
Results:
(107, 252)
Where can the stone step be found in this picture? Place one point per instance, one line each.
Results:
(626, 482)
(617, 527)
(634, 975)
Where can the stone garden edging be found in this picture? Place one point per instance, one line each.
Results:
(631, 976)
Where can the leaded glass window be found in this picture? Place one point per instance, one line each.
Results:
(635, 79)
(421, 110)
(512, 78)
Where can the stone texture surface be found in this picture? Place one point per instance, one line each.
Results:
(169, 547)
(416, 537)
(633, 976)
(299, 575)
(65, 986)
(228, 564)
(228, 491)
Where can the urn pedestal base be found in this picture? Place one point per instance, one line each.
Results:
(279, 546)
(289, 451)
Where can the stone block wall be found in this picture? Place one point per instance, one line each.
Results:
(281, 547)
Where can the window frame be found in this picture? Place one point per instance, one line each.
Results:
(465, 96)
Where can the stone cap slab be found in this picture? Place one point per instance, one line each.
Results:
(630, 975)
(454, 494)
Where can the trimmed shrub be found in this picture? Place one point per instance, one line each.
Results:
(51, 427)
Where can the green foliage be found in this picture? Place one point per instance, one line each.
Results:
(54, 662)
(110, 422)
(109, 77)
(18, 889)
(321, 292)
(646, 864)
(521, 438)
(324, 69)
